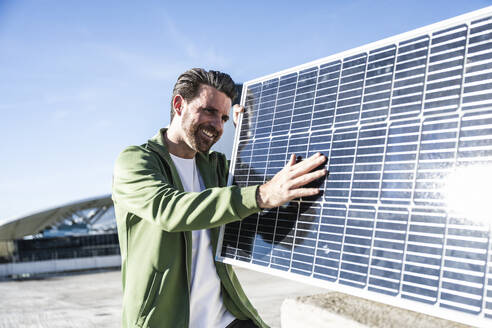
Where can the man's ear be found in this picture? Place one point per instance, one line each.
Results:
(178, 102)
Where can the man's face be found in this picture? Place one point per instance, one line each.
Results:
(203, 118)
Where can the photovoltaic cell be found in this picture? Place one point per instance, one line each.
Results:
(404, 215)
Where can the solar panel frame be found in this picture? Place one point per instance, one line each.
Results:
(413, 64)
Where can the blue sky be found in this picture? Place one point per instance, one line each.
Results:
(81, 80)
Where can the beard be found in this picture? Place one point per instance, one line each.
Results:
(197, 140)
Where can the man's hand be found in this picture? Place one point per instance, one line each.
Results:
(236, 110)
(286, 184)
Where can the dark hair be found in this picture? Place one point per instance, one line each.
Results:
(189, 82)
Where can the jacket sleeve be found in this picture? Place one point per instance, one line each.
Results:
(140, 188)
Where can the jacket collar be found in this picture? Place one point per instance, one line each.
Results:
(203, 161)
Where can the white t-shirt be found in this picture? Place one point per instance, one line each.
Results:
(206, 306)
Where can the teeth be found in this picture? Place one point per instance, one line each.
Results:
(208, 133)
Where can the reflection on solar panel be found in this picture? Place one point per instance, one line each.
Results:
(406, 124)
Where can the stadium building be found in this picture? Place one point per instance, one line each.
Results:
(75, 236)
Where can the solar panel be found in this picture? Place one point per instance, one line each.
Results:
(405, 213)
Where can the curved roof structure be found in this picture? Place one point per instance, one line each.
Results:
(37, 222)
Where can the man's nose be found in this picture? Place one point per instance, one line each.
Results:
(218, 124)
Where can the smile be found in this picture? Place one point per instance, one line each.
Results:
(209, 133)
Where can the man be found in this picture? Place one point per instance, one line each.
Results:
(170, 197)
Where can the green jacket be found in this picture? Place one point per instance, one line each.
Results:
(155, 218)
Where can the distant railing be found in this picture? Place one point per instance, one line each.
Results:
(66, 247)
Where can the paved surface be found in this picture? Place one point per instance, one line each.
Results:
(334, 309)
(82, 300)
(267, 293)
(94, 299)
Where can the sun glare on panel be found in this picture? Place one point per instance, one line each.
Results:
(468, 192)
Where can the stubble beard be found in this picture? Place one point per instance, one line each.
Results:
(195, 141)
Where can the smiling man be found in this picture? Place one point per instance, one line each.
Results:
(170, 197)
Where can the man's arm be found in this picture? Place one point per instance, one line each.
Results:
(140, 188)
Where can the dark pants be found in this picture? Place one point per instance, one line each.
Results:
(242, 324)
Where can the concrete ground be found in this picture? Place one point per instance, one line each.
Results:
(334, 309)
(267, 292)
(93, 299)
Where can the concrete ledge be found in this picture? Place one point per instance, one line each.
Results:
(340, 310)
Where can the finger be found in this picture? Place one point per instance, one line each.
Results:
(303, 192)
(292, 160)
(307, 178)
(308, 164)
(238, 108)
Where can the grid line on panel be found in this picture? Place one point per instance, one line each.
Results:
(328, 159)
(377, 88)
(349, 197)
(304, 101)
(294, 237)
(259, 216)
(377, 207)
(335, 100)
(479, 64)
(332, 222)
(236, 248)
(424, 251)
(410, 77)
(487, 292)
(286, 102)
(322, 201)
(275, 231)
(299, 145)
(337, 95)
(274, 228)
(445, 239)
(443, 258)
(382, 164)
(369, 159)
(317, 238)
(354, 250)
(257, 173)
(434, 160)
(392, 240)
(283, 253)
(314, 100)
(415, 169)
(363, 89)
(250, 114)
(256, 102)
(448, 51)
(302, 203)
(338, 265)
(293, 105)
(352, 81)
(261, 117)
(426, 78)
(266, 108)
(346, 217)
